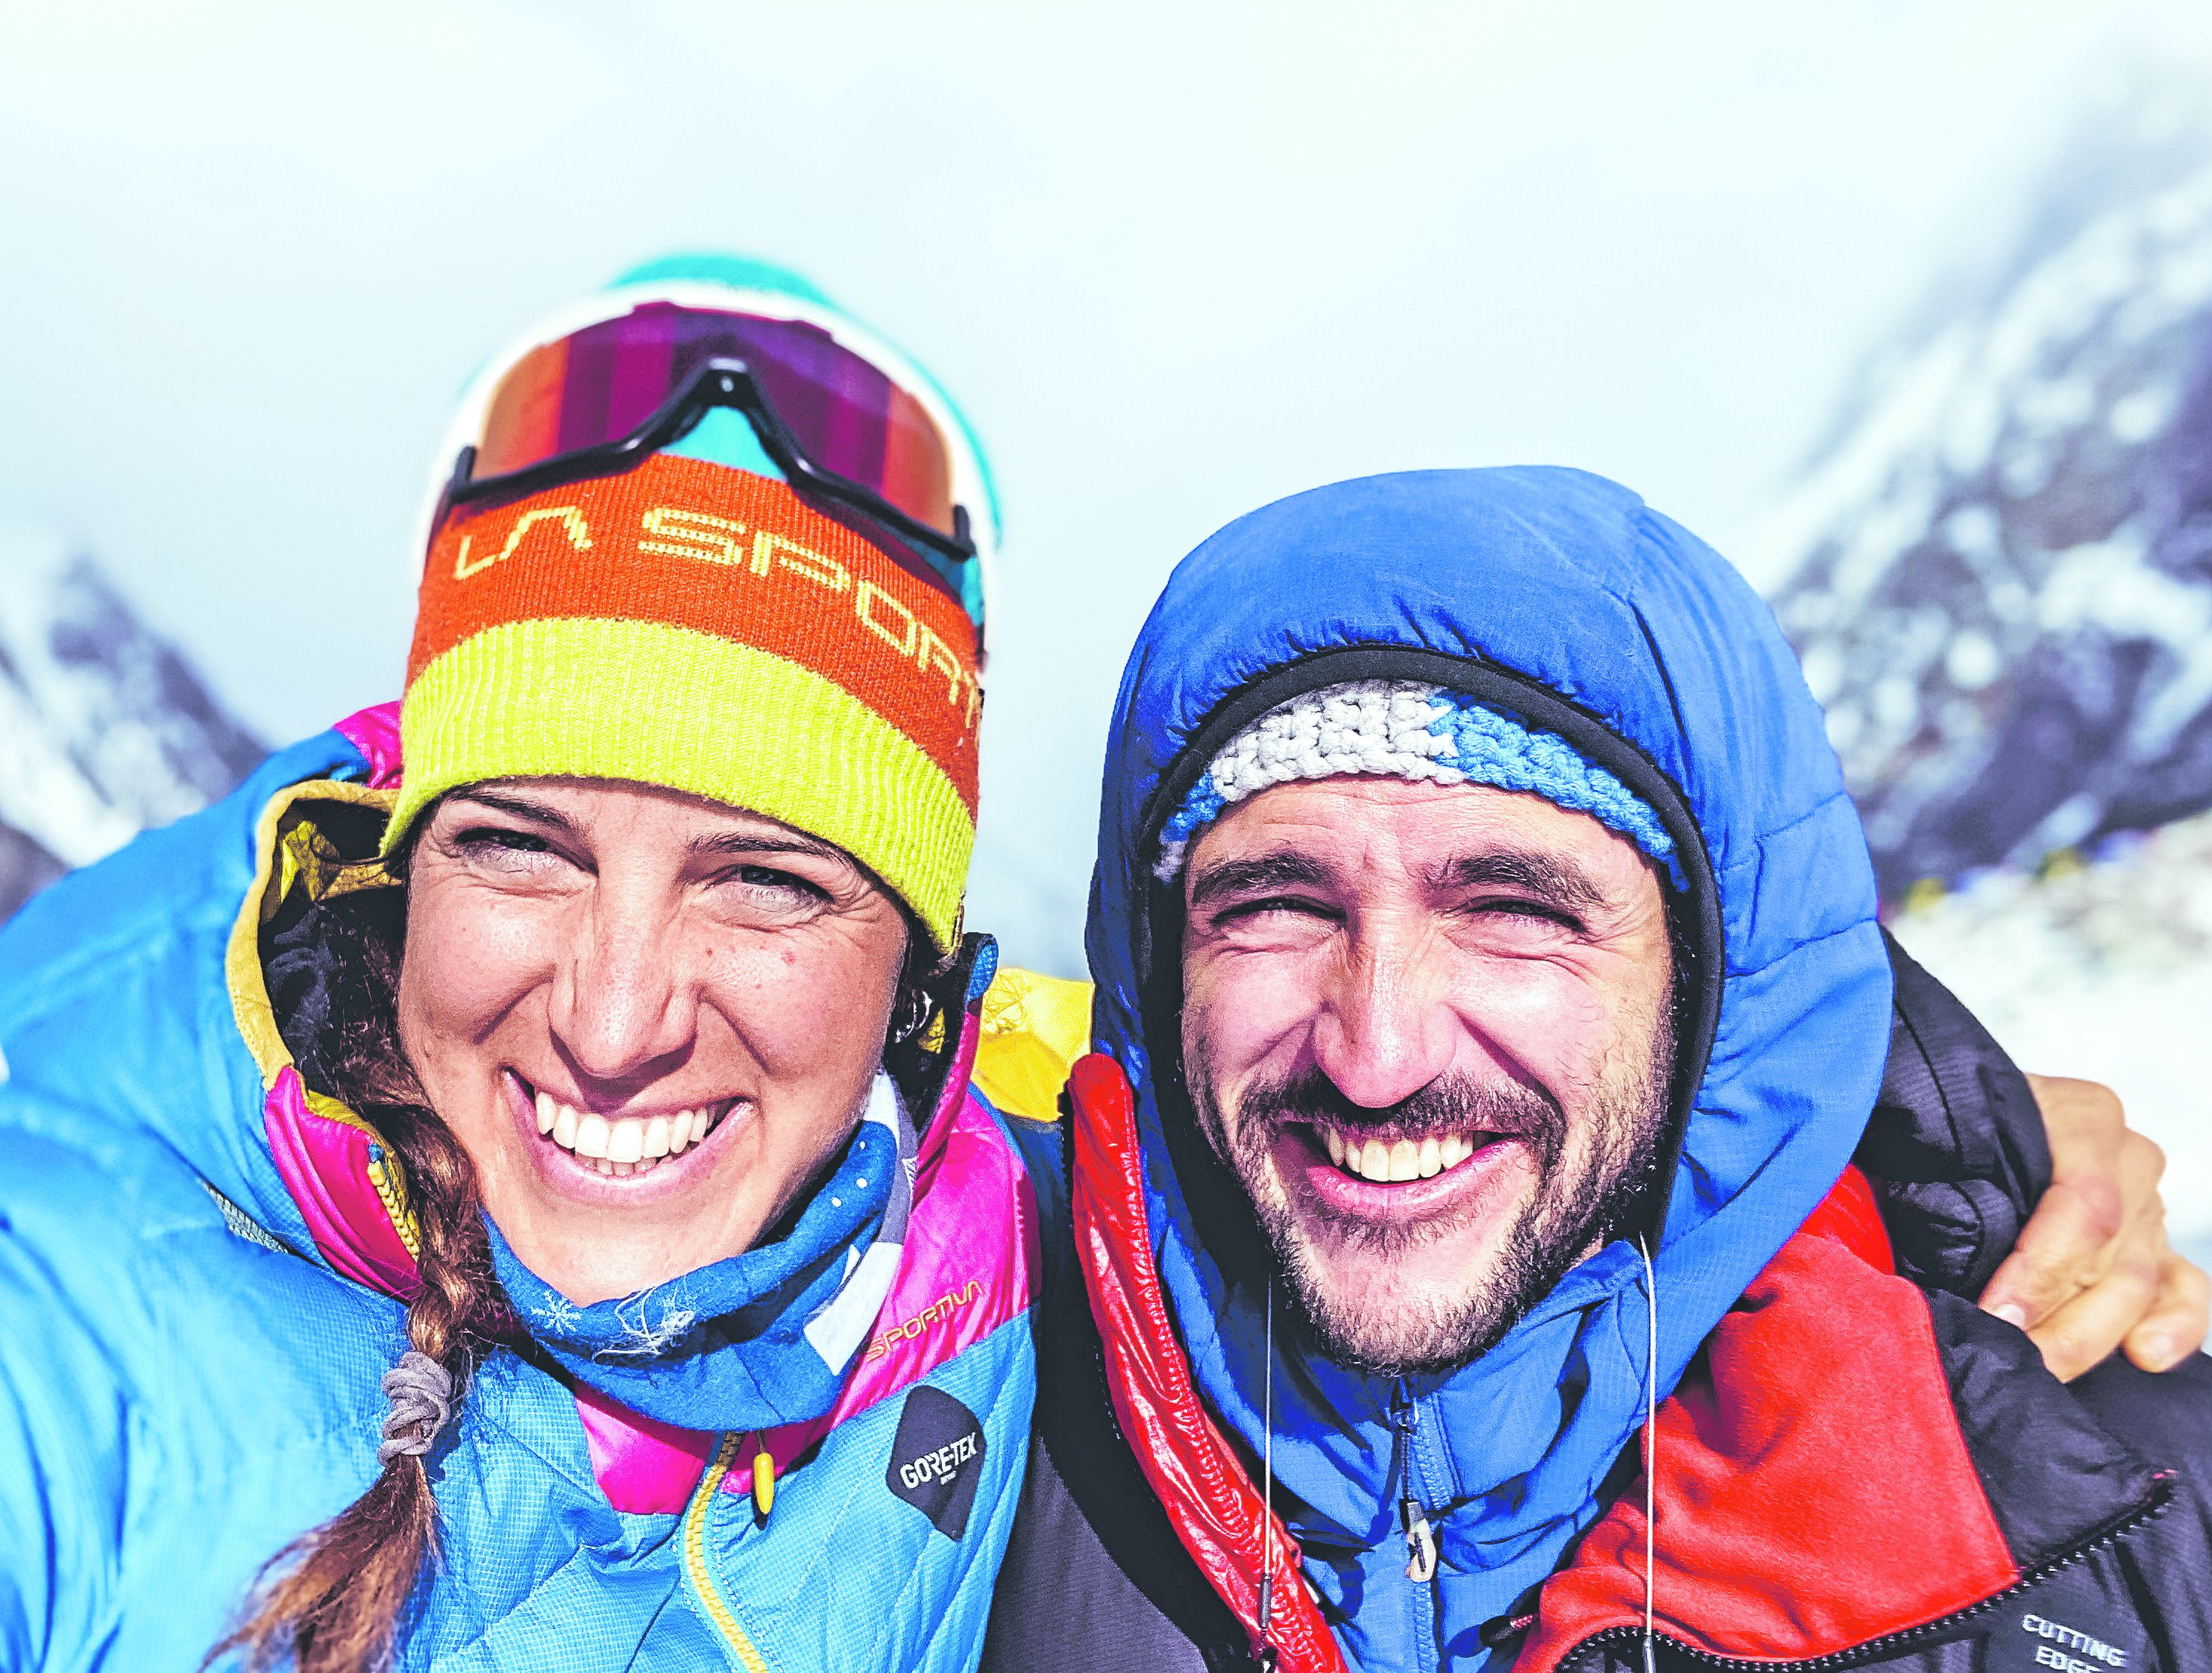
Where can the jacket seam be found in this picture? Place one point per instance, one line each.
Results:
(1798, 947)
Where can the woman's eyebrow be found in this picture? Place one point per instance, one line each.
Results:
(520, 808)
(764, 842)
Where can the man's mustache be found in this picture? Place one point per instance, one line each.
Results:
(1450, 1103)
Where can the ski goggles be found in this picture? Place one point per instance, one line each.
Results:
(604, 397)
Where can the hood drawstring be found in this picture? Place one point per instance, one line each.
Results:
(1650, 1444)
(1267, 1656)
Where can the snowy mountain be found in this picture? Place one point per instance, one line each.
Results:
(1998, 573)
(104, 729)
(2003, 587)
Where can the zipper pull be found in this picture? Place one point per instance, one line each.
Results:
(764, 1482)
(1412, 1516)
(1420, 1542)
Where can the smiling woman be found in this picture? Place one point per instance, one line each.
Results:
(650, 1019)
(548, 1132)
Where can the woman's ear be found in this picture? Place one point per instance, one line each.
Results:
(910, 1015)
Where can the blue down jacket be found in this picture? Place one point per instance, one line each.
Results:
(1851, 1470)
(1564, 582)
(199, 1257)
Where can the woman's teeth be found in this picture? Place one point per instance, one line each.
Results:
(630, 1145)
(1407, 1158)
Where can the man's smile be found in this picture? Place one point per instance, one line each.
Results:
(1378, 1177)
(1384, 1159)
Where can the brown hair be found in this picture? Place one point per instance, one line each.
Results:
(333, 1598)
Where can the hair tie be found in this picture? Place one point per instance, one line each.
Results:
(421, 1391)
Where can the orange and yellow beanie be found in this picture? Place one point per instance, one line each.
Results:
(693, 623)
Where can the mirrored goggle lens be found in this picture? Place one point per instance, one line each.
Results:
(599, 384)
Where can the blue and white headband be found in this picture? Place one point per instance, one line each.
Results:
(1401, 729)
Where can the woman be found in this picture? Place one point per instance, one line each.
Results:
(529, 1208)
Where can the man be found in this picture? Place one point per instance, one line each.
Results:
(1486, 947)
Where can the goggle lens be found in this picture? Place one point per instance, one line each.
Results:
(599, 383)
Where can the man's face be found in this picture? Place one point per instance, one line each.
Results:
(1429, 1026)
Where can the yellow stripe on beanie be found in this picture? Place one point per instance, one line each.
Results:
(642, 701)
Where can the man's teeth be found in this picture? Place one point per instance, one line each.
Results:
(1371, 1158)
(630, 1145)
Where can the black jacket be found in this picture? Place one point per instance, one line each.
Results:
(1957, 1509)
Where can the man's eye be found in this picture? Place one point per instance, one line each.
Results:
(1512, 909)
(1245, 911)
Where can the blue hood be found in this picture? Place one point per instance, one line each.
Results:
(1624, 632)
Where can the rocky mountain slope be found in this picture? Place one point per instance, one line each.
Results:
(104, 729)
(2003, 595)
(1999, 573)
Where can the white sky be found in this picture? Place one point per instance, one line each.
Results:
(1175, 260)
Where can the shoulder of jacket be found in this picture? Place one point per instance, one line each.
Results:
(141, 1247)
(183, 881)
(1034, 1028)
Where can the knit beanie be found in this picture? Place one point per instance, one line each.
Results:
(692, 623)
(1404, 729)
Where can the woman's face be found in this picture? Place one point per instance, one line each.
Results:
(650, 1018)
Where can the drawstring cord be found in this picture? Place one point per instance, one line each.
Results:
(1651, 1444)
(1267, 1491)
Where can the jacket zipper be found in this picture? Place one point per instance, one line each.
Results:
(1420, 1537)
(1859, 1654)
(695, 1560)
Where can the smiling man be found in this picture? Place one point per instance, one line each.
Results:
(1491, 1006)
(1435, 1033)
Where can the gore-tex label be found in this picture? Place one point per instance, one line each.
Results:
(937, 1459)
(2066, 1629)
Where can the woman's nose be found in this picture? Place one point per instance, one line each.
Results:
(1386, 1029)
(623, 1009)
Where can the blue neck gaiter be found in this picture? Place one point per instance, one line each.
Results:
(756, 1339)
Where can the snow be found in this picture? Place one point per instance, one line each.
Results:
(1998, 575)
(2104, 972)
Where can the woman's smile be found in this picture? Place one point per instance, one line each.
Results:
(570, 1140)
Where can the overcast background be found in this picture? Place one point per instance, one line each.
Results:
(1175, 259)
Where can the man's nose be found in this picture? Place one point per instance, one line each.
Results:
(623, 1009)
(1387, 1028)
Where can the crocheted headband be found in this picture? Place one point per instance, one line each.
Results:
(1401, 729)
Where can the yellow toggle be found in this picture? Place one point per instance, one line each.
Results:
(763, 1483)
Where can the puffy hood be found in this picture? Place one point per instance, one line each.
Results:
(1561, 599)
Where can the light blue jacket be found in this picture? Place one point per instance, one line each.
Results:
(196, 1262)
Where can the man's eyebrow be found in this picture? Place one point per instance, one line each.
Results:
(1546, 877)
(1264, 872)
(520, 808)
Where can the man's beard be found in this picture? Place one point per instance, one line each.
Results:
(1584, 1195)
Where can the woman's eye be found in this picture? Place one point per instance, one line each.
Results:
(766, 883)
(494, 846)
